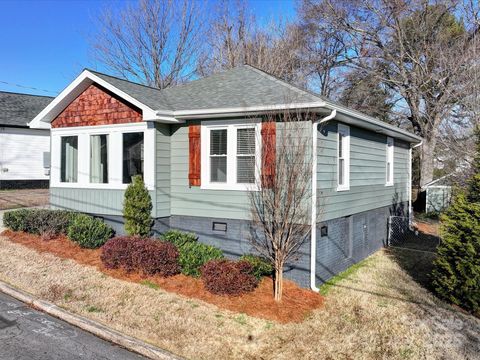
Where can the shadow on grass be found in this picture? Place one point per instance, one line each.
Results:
(415, 256)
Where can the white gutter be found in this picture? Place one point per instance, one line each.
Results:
(313, 232)
(410, 209)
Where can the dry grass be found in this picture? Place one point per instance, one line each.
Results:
(378, 312)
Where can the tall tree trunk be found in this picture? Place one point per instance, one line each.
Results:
(278, 287)
(427, 160)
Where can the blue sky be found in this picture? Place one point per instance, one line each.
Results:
(45, 44)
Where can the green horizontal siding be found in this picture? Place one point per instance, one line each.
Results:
(367, 173)
(95, 201)
(162, 171)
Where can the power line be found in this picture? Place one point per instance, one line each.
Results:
(28, 87)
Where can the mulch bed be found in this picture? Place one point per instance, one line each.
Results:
(296, 305)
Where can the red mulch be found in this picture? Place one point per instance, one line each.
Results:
(430, 228)
(296, 304)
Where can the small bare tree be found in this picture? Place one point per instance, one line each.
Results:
(280, 209)
(155, 42)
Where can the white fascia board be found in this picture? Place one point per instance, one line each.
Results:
(381, 126)
(245, 109)
(80, 84)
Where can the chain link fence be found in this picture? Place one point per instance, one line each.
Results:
(401, 235)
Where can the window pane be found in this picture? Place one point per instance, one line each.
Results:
(340, 145)
(218, 169)
(341, 168)
(132, 156)
(388, 172)
(246, 169)
(69, 159)
(218, 142)
(99, 159)
(246, 141)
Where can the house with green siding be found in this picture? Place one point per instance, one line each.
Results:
(198, 147)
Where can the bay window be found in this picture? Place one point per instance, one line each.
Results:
(230, 155)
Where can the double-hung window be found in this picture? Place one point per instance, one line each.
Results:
(230, 155)
(389, 162)
(132, 156)
(343, 158)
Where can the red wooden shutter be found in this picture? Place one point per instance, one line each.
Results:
(268, 153)
(194, 155)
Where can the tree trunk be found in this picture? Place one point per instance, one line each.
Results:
(427, 161)
(278, 287)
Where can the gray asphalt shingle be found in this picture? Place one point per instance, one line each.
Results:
(19, 109)
(243, 86)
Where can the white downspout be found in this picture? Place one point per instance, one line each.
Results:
(410, 209)
(313, 233)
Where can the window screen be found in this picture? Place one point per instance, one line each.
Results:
(218, 155)
(99, 159)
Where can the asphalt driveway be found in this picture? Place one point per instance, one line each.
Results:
(29, 334)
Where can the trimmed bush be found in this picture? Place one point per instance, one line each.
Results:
(133, 253)
(137, 208)
(156, 257)
(227, 277)
(118, 253)
(16, 220)
(45, 222)
(194, 254)
(179, 238)
(260, 266)
(89, 232)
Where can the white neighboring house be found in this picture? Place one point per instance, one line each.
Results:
(24, 152)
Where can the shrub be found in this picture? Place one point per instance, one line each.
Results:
(156, 257)
(16, 220)
(43, 222)
(227, 277)
(456, 272)
(89, 232)
(136, 253)
(178, 238)
(260, 266)
(193, 255)
(118, 253)
(137, 208)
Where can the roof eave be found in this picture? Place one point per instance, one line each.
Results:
(80, 84)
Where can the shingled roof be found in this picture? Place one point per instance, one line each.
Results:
(19, 109)
(243, 86)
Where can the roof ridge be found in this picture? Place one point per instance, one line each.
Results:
(283, 82)
(24, 94)
(129, 81)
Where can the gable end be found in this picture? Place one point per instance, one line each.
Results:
(97, 106)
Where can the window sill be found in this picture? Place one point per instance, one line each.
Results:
(343, 188)
(94, 186)
(230, 187)
(388, 185)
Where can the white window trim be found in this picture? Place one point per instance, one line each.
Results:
(231, 126)
(345, 131)
(115, 155)
(390, 155)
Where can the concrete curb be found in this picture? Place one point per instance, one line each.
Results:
(91, 326)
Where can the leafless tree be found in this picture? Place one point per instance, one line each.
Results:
(280, 209)
(235, 38)
(420, 52)
(155, 42)
(323, 50)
